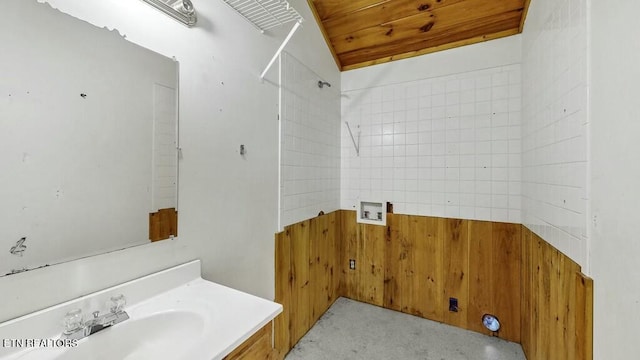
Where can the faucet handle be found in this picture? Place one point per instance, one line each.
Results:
(116, 303)
(73, 321)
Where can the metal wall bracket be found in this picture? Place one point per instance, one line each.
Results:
(284, 43)
(355, 145)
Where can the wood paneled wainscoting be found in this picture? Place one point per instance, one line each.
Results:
(417, 264)
(307, 276)
(557, 303)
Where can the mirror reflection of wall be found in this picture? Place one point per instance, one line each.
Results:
(88, 139)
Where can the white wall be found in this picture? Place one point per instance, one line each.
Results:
(439, 134)
(615, 175)
(555, 125)
(228, 204)
(310, 140)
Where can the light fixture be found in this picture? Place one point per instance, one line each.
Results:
(181, 10)
(491, 322)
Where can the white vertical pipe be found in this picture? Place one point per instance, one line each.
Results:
(280, 139)
(284, 43)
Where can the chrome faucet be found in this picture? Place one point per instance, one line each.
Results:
(76, 328)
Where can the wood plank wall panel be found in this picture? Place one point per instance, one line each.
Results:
(335, 256)
(456, 270)
(556, 319)
(307, 276)
(568, 295)
(323, 262)
(300, 290)
(283, 289)
(350, 236)
(557, 303)
(427, 260)
(410, 259)
(505, 277)
(415, 264)
(317, 281)
(480, 286)
(372, 242)
(366, 246)
(430, 259)
(584, 317)
(527, 325)
(162, 224)
(393, 281)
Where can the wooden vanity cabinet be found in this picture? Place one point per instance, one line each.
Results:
(257, 347)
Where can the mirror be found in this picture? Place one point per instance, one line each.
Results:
(88, 139)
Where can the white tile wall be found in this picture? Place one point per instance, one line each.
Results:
(165, 156)
(446, 146)
(555, 138)
(310, 144)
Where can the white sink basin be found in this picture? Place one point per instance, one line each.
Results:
(154, 337)
(195, 320)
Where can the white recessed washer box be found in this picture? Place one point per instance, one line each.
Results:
(372, 212)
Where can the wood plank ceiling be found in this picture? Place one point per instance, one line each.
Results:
(368, 32)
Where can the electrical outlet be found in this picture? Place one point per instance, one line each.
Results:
(352, 264)
(453, 304)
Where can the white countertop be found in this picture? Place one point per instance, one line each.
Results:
(174, 314)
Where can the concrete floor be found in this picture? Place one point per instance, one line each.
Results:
(353, 330)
